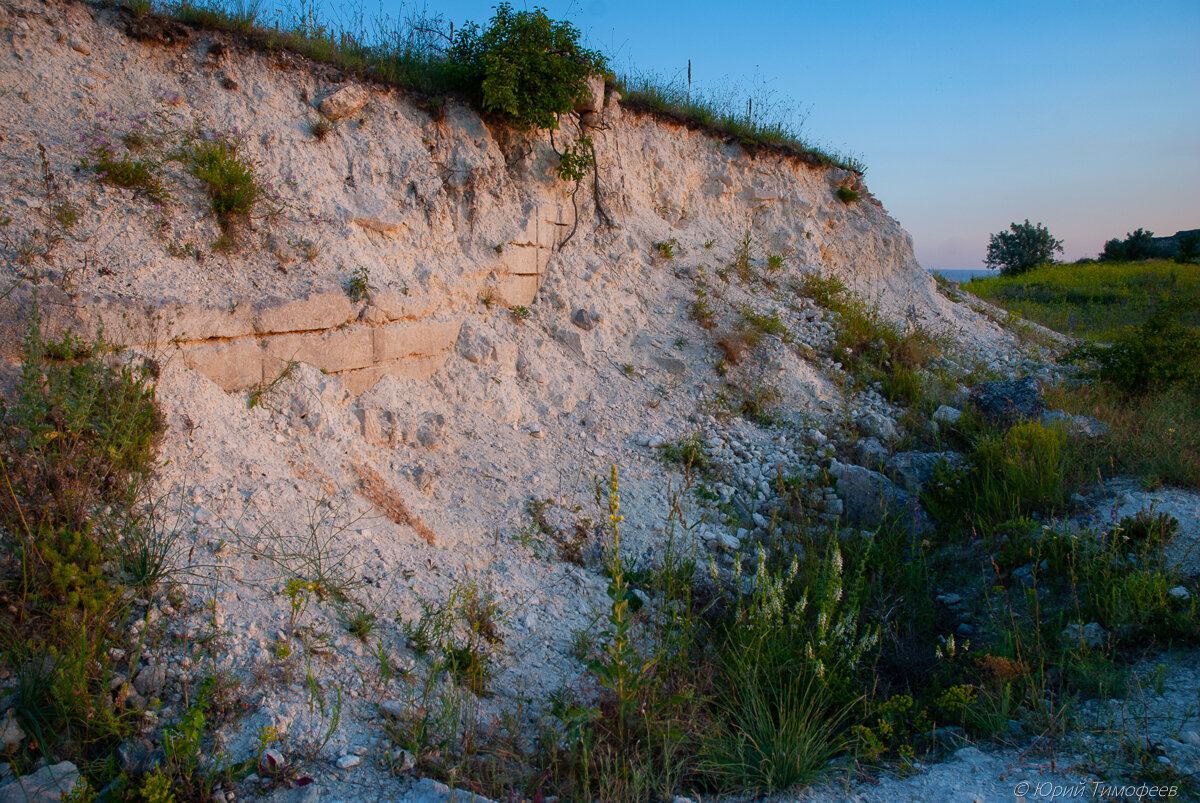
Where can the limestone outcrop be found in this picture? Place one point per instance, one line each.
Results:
(437, 214)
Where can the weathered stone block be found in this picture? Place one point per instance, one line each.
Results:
(594, 101)
(380, 216)
(318, 311)
(333, 351)
(516, 291)
(414, 339)
(345, 102)
(399, 306)
(231, 364)
(522, 260)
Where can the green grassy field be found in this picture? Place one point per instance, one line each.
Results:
(1094, 300)
(1156, 430)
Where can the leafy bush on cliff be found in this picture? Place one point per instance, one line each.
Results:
(530, 68)
(1021, 248)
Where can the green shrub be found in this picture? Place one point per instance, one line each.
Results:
(77, 446)
(1189, 249)
(667, 248)
(576, 160)
(233, 188)
(1160, 354)
(1136, 246)
(847, 195)
(530, 68)
(1010, 475)
(358, 286)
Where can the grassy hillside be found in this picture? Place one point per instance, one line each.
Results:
(1147, 393)
(1095, 300)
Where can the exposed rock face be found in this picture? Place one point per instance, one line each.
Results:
(436, 330)
(443, 213)
(1008, 401)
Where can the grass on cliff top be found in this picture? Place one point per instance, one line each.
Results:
(1095, 300)
(771, 125)
(413, 51)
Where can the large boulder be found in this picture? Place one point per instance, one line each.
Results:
(47, 785)
(1077, 426)
(343, 103)
(877, 425)
(869, 497)
(1008, 401)
(912, 471)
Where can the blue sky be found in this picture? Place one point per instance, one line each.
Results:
(969, 116)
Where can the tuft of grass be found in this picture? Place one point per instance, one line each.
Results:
(763, 323)
(359, 622)
(703, 314)
(123, 170)
(667, 248)
(230, 180)
(358, 286)
(320, 129)
(688, 453)
(761, 121)
(847, 195)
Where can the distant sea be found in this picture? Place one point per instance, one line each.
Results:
(964, 275)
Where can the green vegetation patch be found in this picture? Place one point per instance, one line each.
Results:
(1095, 300)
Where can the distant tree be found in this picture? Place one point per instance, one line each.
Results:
(1114, 251)
(1136, 245)
(1022, 247)
(1189, 248)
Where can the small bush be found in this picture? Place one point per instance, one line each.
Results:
(358, 286)
(530, 68)
(576, 160)
(1160, 354)
(847, 195)
(1010, 475)
(233, 188)
(667, 248)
